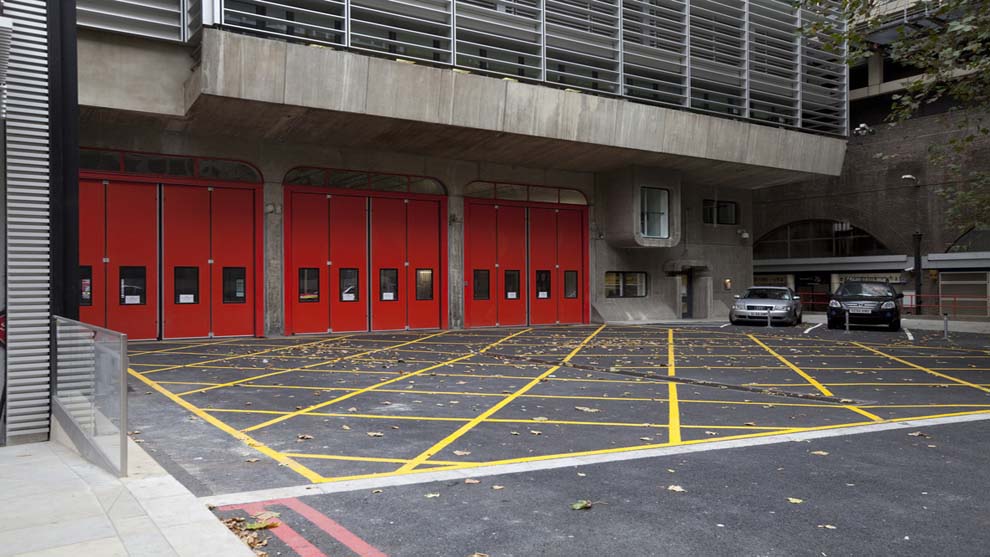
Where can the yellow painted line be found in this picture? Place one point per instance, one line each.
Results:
(259, 353)
(887, 384)
(381, 384)
(367, 459)
(425, 455)
(812, 381)
(320, 363)
(183, 347)
(246, 439)
(674, 413)
(924, 369)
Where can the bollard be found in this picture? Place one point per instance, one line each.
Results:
(945, 325)
(847, 321)
(768, 318)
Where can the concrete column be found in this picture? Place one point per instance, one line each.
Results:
(455, 260)
(274, 271)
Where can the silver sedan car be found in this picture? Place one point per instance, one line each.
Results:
(782, 304)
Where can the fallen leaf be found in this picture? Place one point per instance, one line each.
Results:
(251, 460)
(919, 434)
(375, 434)
(750, 424)
(476, 554)
(710, 433)
(345, 427)
(352, 409)
(260, 525)
(303, 437)
(376, 491)
(513, 433)
(820, 453)
(795, 500)
(498, 487)
(432, 495)
(646, 439)
(586, 409)
(581, 505)
(536, 432)
(676, 488)
(472, 481)
(541, 419)
(827, 526)
(581, 474)
(462, 453)
(265, 515)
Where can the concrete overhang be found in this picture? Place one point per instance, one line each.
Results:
(959, 260)
(865, 263)
(254, 87)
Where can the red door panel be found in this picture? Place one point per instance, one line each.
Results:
(306, 283)
(424, 274)
(348, 293)
(233, 252)
(388, 259)
(132, 246)
(480, 250)
(511, 280)
(542, 266)
(92, 248)
(185, 262)
(570, 266)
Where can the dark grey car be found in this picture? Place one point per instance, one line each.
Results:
(782, 304)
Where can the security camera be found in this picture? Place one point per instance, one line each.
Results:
(909, 177)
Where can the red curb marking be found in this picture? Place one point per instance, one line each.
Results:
(300, 545)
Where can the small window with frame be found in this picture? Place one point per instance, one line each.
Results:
(350, 286)
(620, 284)
(512, 284)
(424, 284)
(133, 283)
(186, 285)
(570, 284)
(309, 285)
(720, 212)
(388, 285)
(543, 285)
(234, 285)
(86, 285)
(481, 284)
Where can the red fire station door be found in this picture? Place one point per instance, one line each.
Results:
(186, 261)
(307, 284)
(92, 250)
(388, 264)
(423, 256)
(348, 263)
(232, 236)
(570, 265)
(511, 238)
(481, 308)
(132, 248)
(542, 265)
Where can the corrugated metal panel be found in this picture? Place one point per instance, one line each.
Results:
(157, 19)
(28, 254)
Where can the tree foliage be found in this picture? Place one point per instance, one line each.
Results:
(948, 42)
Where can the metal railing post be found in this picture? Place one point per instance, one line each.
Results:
(768, 319)
(124, 365)
(847, 320)
(945, 325)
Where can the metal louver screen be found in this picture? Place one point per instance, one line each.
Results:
(157, 19)
(28, 261)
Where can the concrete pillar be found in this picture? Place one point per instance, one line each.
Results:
(274, 271)
(455, 260)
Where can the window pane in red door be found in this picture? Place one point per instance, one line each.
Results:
(234, 285)
(424, 284)
(388, 280)
(309, 285)
(512, 284)
(86, 285)
(186, 285)
(133, 286)
(482, 290)
(570, 284)
(350, 285)
(543, 284)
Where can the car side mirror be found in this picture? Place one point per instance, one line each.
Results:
(797, 298)
(737, 296)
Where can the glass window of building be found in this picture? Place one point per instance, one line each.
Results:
(654, 213)
(620, 284)
(720, 212)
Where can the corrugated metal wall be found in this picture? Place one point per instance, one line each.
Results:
(28, 220)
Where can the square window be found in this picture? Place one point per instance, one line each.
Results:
(86, 285)
(350, 289)
(186, 285)
(654, 213)
(388, 285)
(570, 284)
(133, 281)
(542, 284)
(620, 284)
(512, 284)
(481, 288)
(719, 212)
(309, 285)
(424, 284)
(234, 285)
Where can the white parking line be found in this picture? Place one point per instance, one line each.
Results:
(812, 328)
(909, 335)
(724, 326)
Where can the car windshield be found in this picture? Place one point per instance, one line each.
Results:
(864, 289)
(767, 294)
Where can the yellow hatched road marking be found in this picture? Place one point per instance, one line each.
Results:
(425, 455)
(182, 347)
(381, 384)
(811, 380)
(260, 352)
(367, 459)
(924, 369)
(302, 368)
(246, 439)
(674, 418)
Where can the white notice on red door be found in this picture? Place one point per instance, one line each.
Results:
(542, 295)
(132, 300)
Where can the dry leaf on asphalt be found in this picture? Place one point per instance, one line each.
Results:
(513, 433)
(536, 432)
(820, 453)
(581, 505)
(586, 409)
(498, 487)
(710, 433)
(303, 437)
(345, 427)
(676, 488)
(541, 419)
(376, 491)
(375, 434)
(919, 434)
(795, 500)
(472, 481)
(476, 554)
(432, 495)
(462, 453)
(252, 460)
(827, 526)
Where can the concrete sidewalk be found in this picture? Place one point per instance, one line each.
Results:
(54, 503)
(923, 324)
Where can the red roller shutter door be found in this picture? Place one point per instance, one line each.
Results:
(132, 247)
(423, 255)
(306, 280)
(480, 251)
(185, 261)
(388, 264)
(570, 266)
(233, 236)
(349, 263)
(92, 250)
(511, 279)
